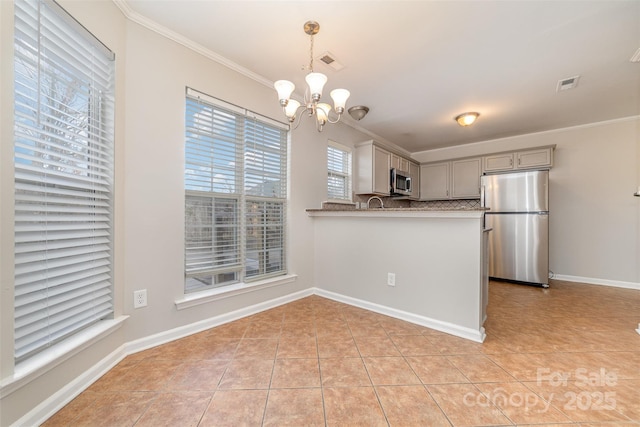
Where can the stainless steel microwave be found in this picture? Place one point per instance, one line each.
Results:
(400, 183)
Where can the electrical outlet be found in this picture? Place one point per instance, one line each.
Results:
(140, 298)
(391, 279)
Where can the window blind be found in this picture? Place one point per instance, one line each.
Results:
(339, 172)
(235, 194)
(63, 161)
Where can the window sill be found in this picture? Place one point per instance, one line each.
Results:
(198, 298)
(41, 363)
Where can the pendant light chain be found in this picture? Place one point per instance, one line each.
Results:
(311, 54)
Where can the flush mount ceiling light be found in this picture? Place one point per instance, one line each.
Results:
(313, 93)
(358, 112)
(467, 119)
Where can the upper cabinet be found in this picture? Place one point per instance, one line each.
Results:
(542, 158)
(399, 163)
(373, 167)
(372, 170)
(457, 179)
(465, 178)
(498, 162)
(414, 172)
(434, 181)
(538, 158)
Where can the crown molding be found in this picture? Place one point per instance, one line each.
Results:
(134, 16)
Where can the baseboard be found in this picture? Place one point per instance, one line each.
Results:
(62, 397)
(449, 328)
(66, 394)
(601, 282)
(193, 328)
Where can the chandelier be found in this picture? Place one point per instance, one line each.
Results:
(315, 82)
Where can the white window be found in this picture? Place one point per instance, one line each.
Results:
(235, 194)
(338, 172)
(63, 144)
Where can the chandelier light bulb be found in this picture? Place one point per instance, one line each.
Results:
(316, 82)
(340, 97)
(322, 112)
(284, 88)
(291, 109)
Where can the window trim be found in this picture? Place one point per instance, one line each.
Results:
(206, 296)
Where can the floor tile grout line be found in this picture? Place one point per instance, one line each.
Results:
(324, 406)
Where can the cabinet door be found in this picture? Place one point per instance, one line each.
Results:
(400, 163)
(381, 171)
(395, 161)
(465, 179)
(414, 171)
(434, 181)
(498, 162)
(404, 164)
(534, 158)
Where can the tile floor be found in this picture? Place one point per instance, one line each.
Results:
(566, 355)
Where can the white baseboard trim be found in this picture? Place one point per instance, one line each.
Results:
(203, 325)
(601, 282)
(449, 328)
(66, 394)
(62, 397)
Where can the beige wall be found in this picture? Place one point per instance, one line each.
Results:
(595, 220)
(152, 73)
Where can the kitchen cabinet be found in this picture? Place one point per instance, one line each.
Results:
(400, 163)
(498, 162)
(373, 165)
(457, 179)
(541, 158)
(414, 171)
(538, 158)
(434, 181)
(465, 178)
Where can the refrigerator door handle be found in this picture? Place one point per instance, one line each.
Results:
(482, 196)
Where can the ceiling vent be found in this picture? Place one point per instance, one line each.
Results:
(636, 56)
(566, 84)
(329, 59)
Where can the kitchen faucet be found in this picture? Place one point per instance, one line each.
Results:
(375, 197)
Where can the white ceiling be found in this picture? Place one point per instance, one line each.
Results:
(417, 64)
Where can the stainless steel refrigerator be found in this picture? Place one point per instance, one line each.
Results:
(519, 219)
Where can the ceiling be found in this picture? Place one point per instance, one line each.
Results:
(417, 64)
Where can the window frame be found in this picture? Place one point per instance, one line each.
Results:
(269, 164)
(346, 175)
(64, 166)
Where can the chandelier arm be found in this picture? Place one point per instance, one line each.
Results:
(297, 117)
(336, 121)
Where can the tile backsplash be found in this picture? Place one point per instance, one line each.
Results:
(389, 202)
(448, 204)
(394, 202)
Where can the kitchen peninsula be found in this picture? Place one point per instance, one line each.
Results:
(425, 266)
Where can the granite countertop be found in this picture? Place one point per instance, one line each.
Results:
(348, 208)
